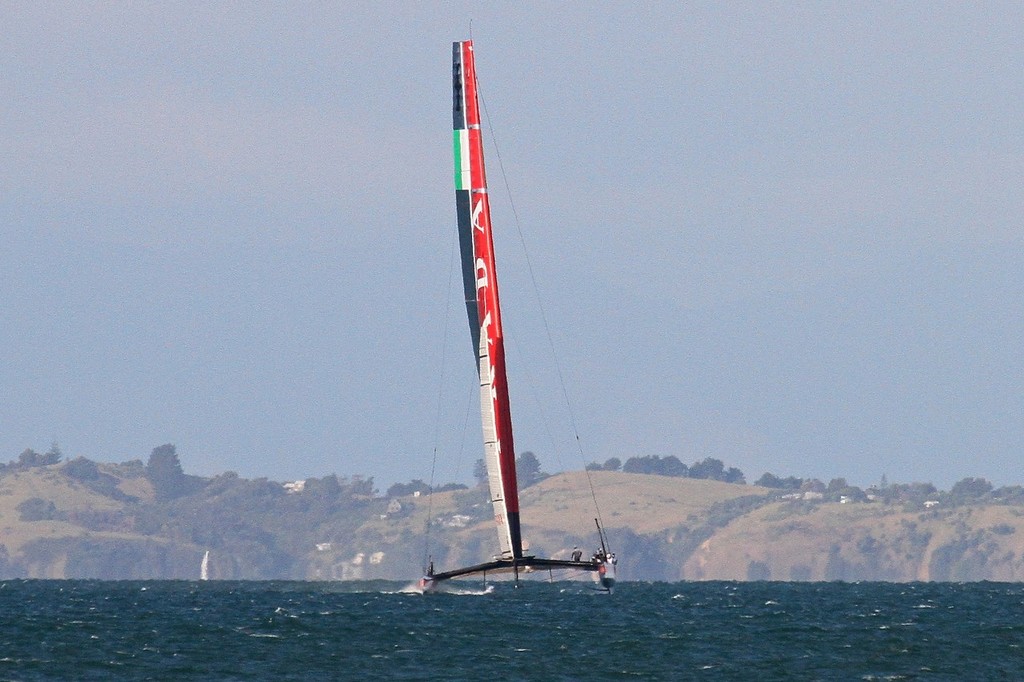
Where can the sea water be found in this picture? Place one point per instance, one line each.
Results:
(169, 630)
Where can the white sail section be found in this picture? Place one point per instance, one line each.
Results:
(492, 452)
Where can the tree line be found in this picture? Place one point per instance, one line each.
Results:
(164, 471)
(708, 468)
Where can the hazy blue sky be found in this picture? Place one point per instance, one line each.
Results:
(790, 236)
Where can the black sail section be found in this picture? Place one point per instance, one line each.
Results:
(462, 210)
(458, 90)
(463, 202)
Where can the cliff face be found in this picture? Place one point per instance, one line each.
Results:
(109, 524)
(864, 542)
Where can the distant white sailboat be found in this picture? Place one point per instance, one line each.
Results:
(204, 568)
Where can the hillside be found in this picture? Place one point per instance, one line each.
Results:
(117, 521)
(783, 541)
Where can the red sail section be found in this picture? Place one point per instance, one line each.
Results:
(488, 308)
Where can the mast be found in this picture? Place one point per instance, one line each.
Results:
(480, 285)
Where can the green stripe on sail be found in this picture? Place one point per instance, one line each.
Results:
(458, 159)
(461, 148)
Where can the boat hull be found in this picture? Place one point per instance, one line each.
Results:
(527, 564)
(605, 575)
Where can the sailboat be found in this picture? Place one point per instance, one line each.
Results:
(204, 567)
(480, 285)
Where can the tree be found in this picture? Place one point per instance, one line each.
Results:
(639, 465)
(770, 480)
(671, 466)
(327, 488)
(30, 458)
(838, 488)
(1013, 494)
(528, 470)
(914, 493)
(709, 468)
(653, 464)
(734, 475)
(37, 509)
(165, 473)
(82, 469)
(446, 487)
(612, 464)
(362, 486)
(813, 485)
(837, 484)
(970, 489)
(480, 472)
(53, 455)
(403, 489)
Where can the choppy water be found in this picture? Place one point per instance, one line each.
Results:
(714, 631)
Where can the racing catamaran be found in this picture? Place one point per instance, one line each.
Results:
(480, 285)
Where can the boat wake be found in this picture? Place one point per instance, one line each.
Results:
(448, 588)
(411, 588)
(471, 593)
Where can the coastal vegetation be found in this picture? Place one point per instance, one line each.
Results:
(667, 520)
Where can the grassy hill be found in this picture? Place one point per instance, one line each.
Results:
(79, 519)
(71, 502)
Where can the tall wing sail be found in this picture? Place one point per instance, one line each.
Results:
(481, 289)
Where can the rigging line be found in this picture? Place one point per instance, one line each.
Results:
(540, 306)
(535, 394)
(440, 402)
(470, 393)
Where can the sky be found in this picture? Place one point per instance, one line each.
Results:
(789, 236)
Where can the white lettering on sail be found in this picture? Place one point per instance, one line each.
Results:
(485, 330)
(478, 209)
(481, 274)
